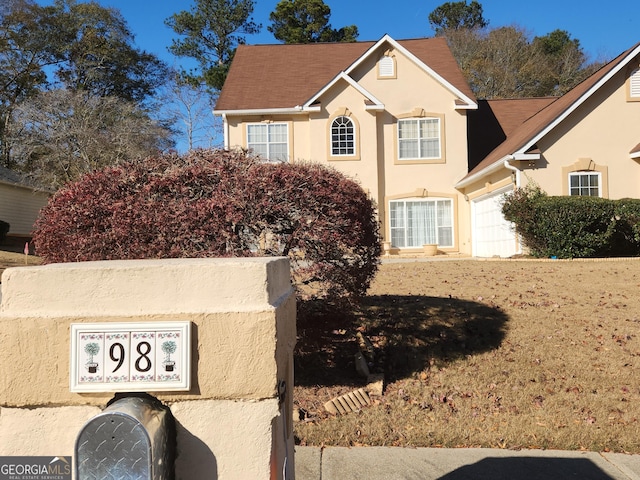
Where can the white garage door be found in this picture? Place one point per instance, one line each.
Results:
(492, 234)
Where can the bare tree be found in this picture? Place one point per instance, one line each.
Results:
(190, 106)
(59, 135)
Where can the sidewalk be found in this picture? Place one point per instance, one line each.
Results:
(393, 463)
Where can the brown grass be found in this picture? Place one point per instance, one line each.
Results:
(13, 259)
(508, 354)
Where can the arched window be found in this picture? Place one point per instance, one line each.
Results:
(343, 136)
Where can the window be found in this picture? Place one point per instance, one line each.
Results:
(343, 137)
(585, 184)
(418, 222)
(419, 139)
(269, 140)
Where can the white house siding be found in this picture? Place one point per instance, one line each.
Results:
(19, 207)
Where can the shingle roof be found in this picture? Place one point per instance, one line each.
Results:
(285, 76)
(535, 125)
(512, 113)
(495, 120)
(11, 177)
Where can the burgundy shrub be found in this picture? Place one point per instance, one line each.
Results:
(212, 203)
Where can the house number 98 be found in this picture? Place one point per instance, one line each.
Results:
(142, 363)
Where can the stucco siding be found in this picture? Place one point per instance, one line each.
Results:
(604, 129)
(20, 207)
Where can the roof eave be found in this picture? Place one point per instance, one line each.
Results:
(297, 110)
(494, 167)
(465, 106)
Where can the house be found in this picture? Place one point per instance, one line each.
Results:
(398, 116)
(20, 204)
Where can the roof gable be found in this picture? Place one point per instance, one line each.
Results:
(524, 137)
(272, 77)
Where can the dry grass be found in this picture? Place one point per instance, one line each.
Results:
(13, 259)
(509, 354)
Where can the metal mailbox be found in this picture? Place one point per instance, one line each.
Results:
(131, 439)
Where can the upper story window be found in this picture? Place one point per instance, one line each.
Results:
(269, 140)
(585, 184)
(343, 136)
(387, 67)
(419, 139)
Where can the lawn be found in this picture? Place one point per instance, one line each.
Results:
(13, 259)
(506, 354)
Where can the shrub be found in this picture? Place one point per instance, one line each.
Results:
(574, 227)
(4, 229)
(210, 203)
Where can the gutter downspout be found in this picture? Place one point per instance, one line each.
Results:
(225, 130)
(508, 166)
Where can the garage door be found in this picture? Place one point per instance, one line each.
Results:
(492, 234)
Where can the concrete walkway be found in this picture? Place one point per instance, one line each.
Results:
(392, 463)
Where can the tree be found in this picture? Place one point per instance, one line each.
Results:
(27, 36)
(79, 46)
(60, 134)
(505, 66)
(505, 63)
(99, 56)
(211, 203)
(190, 106)
(307, 21)
(565, 62)
(212, 30)
(457, 15)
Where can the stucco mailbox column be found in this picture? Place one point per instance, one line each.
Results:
(233, 420)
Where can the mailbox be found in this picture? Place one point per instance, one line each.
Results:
(132, 439)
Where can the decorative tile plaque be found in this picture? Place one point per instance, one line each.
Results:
(134, 357)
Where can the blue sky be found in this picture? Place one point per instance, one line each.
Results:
(604, 32)
(604, 29)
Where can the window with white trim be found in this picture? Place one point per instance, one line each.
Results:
(269, 140)
(585, 184)
(343, 136)
(419, 139)
(634, 84)
(417, 222)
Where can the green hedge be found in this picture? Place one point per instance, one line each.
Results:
(574, 227)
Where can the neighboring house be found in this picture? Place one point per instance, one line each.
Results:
(399, 117)
(20, 203)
